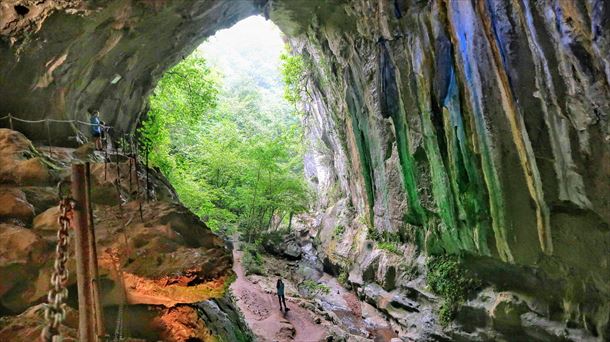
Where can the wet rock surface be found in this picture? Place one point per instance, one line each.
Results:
(159, 262)
(476, 128)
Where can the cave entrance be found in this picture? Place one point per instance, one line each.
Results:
(224, 128)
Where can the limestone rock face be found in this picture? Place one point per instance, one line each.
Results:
(73, 55)
(463, 127)
(476, 128)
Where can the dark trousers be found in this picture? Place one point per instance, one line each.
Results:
(282, 299)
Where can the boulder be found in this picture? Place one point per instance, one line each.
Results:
(283, 244)
(41, 197)
(224, 319)
(27, 326)
(21, 163)
(14, 206)
(47, 222)
(506, 312)
(181, 323)
(22, 255)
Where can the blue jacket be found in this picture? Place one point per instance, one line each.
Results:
(96, 127)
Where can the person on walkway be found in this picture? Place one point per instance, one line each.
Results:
(96, 129)
(280, 294)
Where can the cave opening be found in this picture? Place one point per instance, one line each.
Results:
(224, 127)
(447, 144)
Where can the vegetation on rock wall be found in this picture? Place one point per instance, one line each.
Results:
(449, 279)
(312, 288)
(293, 72)
(233, 159)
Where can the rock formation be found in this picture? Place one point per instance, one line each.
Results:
(470, 128)
(160, 266)
(473, 128)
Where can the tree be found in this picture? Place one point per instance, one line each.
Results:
(234, 158)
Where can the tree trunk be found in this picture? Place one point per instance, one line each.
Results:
(290, 221)
(270, 218)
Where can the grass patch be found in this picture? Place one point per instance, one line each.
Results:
(389, 246)
(448, 278)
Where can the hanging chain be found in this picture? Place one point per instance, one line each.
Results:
(55, 309)
(118, 331)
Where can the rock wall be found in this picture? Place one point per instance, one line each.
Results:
(61, 58)
(476, 128)
(160, 264)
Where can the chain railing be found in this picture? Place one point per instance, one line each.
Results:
(47, 122)
(10, 118)
(55, 309)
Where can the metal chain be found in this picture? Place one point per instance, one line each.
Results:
(55, 309)
(118, 331)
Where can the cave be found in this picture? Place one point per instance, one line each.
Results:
(458, 155)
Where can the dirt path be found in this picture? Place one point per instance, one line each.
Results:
(262, 313)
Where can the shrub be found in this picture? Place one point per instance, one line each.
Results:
(339, 230)
(313, 289)
(342, 278)
(389, 246)
(373, 234)
(448, 278)
(252, 261)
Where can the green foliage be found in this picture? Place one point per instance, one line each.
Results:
(389, 246)
(228, 282)
(252, 260)
(233, 158)
(313, 288)
(373, 234)
(342, 278)
(409, 269)
(339, 230)
(293, 73)
(385, 240)
(275, 237)
(448, 278)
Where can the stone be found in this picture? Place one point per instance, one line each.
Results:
(20, 165)
(13, 205)
(286, 331)
(48, 221)
(224, 319)
(27, 326)
(181, 323)
(453, 127)
(22, 254)
(507, 310)
(41, 198)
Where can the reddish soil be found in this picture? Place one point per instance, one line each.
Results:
(262, 313)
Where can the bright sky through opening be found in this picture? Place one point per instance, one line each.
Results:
(252, 46)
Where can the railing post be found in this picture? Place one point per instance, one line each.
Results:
(49, 138)
(99, 312)
(86, 316)
(10, 121)
(147, 192)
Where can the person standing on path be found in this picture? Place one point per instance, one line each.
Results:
(96, 129)
(280, 294)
